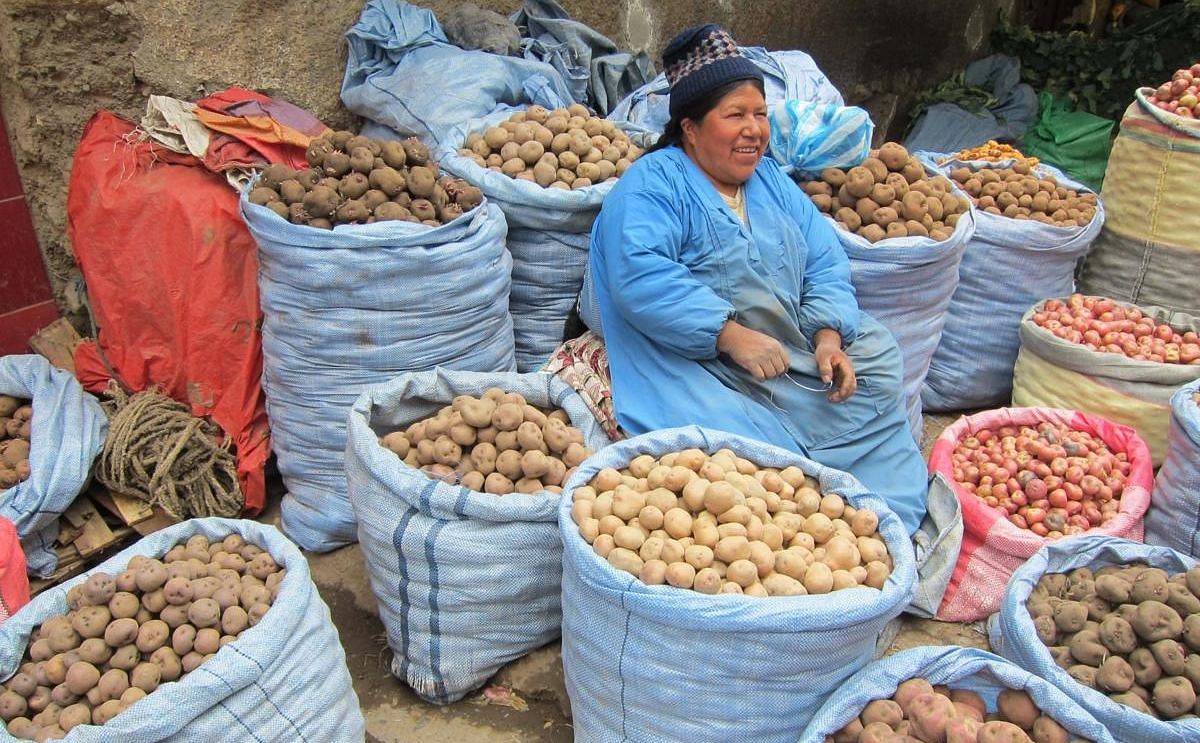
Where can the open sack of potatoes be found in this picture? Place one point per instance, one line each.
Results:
(280, 675)
(466, 566)
(649, 629)
(951, 694)
(1032, 224)
(359, 304)
(58, 431)
(904, 227)
(547, 170)
(1116, 626)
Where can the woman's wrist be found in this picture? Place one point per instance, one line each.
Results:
(828, 337)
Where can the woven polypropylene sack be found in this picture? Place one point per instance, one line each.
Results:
(1174, 517)
(67, 434)
(1054, 372)
(466, 581)
(284, 679)
(906, 283)
(355, 306)
(549, 235)
(1008, 265)
(992, 546)
(1012, 634)
(959, 668)
(638, 657)
(1149, 250)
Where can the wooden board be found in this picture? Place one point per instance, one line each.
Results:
(159, 519)
(95, 534)
(128, 509)
(57, 342)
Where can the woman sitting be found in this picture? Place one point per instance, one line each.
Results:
(725, 298)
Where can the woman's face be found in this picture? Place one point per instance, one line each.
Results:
(731, 138)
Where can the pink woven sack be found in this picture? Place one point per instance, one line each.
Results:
(993, 547)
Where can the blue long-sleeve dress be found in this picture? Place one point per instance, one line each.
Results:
(671, 262)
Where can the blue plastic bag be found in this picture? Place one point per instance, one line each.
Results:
(68, 432)
(1012, 633)
(400, 67)
(807, 137)
(959, 668)
(283, 680)
(1009, 265)
(355, 306)
(1174, 516)
(646, 662)
(787, 75)
(466, 581)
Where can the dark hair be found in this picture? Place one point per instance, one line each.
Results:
(673, 134)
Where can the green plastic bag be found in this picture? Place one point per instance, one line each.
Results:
(1074, 141)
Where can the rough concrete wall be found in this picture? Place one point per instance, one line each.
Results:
(64, 59)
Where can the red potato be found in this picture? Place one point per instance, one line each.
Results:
(1049, 479)
(1101, 325)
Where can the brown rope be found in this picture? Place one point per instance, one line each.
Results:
(156, 450)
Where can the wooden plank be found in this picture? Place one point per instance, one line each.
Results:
(128, 509)
(160, 520)
(96, 534)
(57, 342)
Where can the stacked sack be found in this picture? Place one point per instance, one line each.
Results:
(1024, 249)
(795, 626)
(1075, 474)
(904, 277)
(66, 434)
(458, 532)
(1172, 521)
(1149, 250)
(1106, 358)
(369, 291)
(548, 171)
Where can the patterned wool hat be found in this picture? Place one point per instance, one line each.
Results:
(702, 59)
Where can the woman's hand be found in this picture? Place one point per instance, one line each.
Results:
(757, 353)
(834, 365)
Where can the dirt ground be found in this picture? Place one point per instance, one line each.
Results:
(537, 711)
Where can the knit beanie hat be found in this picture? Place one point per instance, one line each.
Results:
(701, 59)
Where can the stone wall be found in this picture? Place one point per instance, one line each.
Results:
(61, 60)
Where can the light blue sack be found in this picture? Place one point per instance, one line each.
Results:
(355, 306)
(959, 668)
(807, 137)
(549, 236)
(1009, 265)
(787, 75)
(1012, 633)
(1174, 516)
(466, 581)
(906, 283)
(638, 658)
(400, 66)
(67, 435)
(283, 680)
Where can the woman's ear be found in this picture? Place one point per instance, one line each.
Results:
(688, 127)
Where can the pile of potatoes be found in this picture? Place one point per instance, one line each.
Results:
(124, 636)
(1131, 632)
(923, 713)
(889, 195)
(358, 180)
(1019, 193)
(720, 524)
(497, 443)
(16, 421)
(565, 148)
